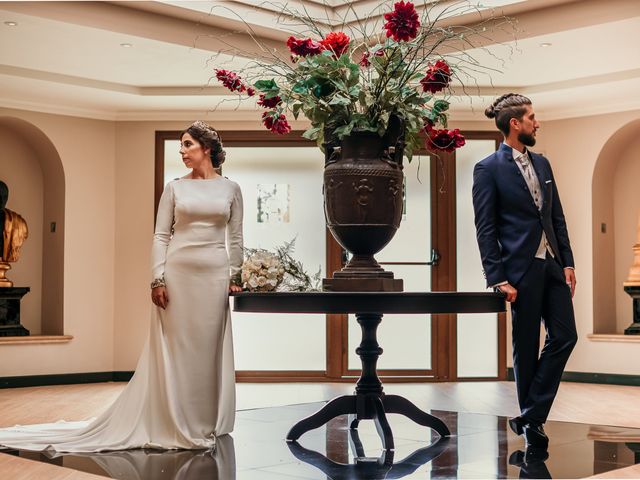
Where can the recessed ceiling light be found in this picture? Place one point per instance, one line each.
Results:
(11, 24)
(126, 45)
(545, 44)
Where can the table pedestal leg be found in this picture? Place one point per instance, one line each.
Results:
(369, 401)
(343, 405)
(398, 404)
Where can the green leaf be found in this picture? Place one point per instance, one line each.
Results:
(296, 110)
(265, 85)
(311, 133)
(300, 88)
(340, 100)
(440, 106)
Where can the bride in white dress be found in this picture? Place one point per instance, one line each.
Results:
(182, 395)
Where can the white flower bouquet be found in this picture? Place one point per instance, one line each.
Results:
(262, 271)
(265, 271)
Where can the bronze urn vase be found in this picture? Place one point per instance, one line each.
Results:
(363, 200)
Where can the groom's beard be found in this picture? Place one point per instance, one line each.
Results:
(527, 139)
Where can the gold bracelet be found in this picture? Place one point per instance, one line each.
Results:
(158, 282)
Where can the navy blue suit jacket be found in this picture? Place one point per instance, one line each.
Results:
(509, 225)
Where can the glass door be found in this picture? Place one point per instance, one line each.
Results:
(406, 340)
(480, 337)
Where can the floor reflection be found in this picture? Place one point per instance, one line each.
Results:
(369, 468)
(531, 463)
(481, 446)
(143, 464)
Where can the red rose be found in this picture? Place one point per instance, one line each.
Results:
(364, 61)
(337, 42)
(231, 80)
(437, 77)
(403, 22)
(276, 123)
(251, 92)
(269, 102)
(304, 47)
(447, 140)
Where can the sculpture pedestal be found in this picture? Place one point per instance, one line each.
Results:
(634, 292)
(10, 298)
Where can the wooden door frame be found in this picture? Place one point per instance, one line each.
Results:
(450, 323)
(443, 276)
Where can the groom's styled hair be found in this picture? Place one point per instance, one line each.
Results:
(506, 107)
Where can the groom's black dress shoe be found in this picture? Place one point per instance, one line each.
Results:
(531, 462)
(517, 425)
(535, 437)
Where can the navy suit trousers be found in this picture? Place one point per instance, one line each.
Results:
(543, 295)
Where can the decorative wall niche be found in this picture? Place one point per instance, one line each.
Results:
(32, 168)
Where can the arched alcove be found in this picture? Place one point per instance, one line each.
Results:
(615, 210)
(48, 185)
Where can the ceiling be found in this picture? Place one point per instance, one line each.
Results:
(69, 58)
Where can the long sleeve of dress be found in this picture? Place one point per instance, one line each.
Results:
(234, 236)
(162, 235)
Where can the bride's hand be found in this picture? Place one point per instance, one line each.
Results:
(234, 288)
(160, 297)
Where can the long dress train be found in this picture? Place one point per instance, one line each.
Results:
(182, 394)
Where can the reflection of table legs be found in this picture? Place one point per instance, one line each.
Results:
(369, 401)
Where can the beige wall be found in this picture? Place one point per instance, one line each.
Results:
(626, 207)
(20, 170)
(573, 147)
(109, 208)
(87, 150)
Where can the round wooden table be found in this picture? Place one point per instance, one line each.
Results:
(369, 401)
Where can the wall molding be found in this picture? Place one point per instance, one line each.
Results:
(595, 378)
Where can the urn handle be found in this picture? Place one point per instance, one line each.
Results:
(334, 156)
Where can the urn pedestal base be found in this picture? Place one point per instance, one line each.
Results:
(10, 298)
(362, 284)
(634, 292)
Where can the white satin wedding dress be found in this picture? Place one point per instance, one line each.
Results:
(182, 394)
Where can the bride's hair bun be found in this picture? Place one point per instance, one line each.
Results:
(208, 137)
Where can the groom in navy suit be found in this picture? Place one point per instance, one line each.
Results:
(526, 255)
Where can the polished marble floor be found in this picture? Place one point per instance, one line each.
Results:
(481, 446)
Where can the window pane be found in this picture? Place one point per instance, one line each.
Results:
(477, 333)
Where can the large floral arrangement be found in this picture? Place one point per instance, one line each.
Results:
(278, 270)
(343, 83)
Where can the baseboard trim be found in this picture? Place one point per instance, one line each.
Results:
(598, 378)
(100, 377)
(64, 379)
